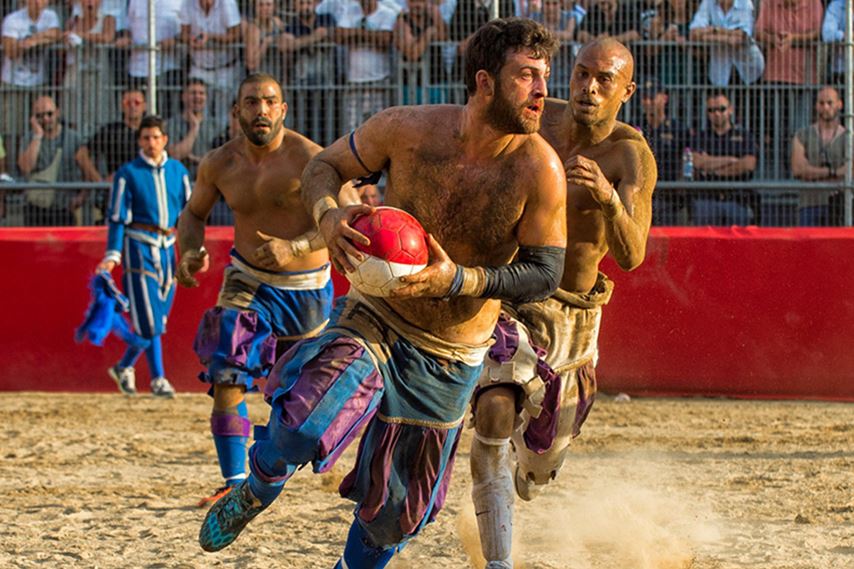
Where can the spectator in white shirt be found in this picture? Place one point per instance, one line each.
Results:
(26, 34)
(88, 101)
(212, 29)
(167, 62)
(728, 26)
(365, 29)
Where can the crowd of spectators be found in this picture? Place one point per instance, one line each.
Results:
(87, 63)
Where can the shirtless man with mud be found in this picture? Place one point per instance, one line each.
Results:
(540, 381)
(485, 187)
(277, 288)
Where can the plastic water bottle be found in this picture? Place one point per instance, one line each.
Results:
(687, 164)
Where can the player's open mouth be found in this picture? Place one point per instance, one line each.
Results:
(584, 104)
(536, 109)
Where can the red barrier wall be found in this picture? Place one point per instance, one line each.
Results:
(741, 312)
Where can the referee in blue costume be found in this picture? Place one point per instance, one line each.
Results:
(147, 196)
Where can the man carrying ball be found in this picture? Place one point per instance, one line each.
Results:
(485, 187)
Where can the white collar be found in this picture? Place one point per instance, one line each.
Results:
(163, 158)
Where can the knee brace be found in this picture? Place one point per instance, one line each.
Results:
(492, 494)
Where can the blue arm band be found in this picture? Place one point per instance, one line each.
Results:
(534, 275)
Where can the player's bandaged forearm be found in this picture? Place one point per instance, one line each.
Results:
(321, 206)
(306, 243)
(534, 275)
(614, 206)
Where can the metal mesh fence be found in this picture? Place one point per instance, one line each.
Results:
(741, 102)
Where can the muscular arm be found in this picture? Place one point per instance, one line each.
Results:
(628, 229)
(191, 223)
(327, 172)
(627, 207)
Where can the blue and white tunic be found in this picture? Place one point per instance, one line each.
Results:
(145, 202)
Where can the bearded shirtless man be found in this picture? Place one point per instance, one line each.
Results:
(277, 287)
(539, 382)
(485, 187)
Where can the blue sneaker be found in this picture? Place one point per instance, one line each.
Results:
(228, 516)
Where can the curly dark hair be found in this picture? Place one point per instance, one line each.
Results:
(489, 45)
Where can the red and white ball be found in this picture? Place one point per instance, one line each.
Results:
(398, 248)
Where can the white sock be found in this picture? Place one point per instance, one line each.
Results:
(492, 494)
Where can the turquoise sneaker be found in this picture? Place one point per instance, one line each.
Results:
(228, 516)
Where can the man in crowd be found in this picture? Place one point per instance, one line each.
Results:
(192, 131)
(47, 155)
(724, 152)
(26, 34)
(212, 29)
(818, 155)
(365, 29)
(115, 143)
(727, 25)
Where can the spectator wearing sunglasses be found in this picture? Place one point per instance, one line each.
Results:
(26, 34)
(47, 155)
(723, 152)
(113, 144)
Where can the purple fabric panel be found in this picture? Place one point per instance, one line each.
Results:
(586, 396)
(380, 469)
(349, 481)
(506, 340)
(317, 376)
(541, 431)
(230, 425)
(274, 377)
(442, 492)
(244, 331)
(423, 477)
(347, 423)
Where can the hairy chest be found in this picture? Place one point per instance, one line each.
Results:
(470, 209)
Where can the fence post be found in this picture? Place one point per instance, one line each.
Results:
(849, 108)
(152, 59)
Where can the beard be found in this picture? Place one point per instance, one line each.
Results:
(257, 138)
(504, 117)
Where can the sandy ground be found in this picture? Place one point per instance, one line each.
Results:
(105, 481)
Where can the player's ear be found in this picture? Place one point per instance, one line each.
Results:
(630, 90)
(485, 82)
(284, 110)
